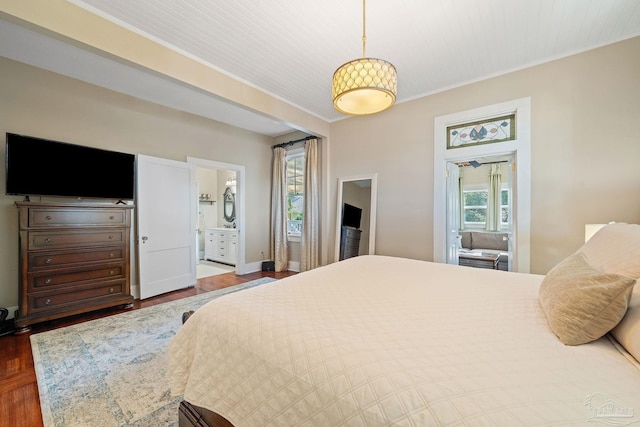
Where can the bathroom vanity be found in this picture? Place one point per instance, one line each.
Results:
(220, 245)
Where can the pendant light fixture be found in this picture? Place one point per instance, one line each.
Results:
(365, 85)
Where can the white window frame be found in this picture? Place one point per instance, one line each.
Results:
(485, 187)
(293, 154)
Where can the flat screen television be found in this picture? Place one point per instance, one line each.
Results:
(351, 216)
(41, 167)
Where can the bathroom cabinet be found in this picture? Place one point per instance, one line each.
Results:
(220, 245)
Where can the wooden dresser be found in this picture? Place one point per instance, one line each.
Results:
(74, 258)
(349, 242)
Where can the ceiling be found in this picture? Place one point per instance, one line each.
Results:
(290, 48)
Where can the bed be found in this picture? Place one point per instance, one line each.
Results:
(377, 340)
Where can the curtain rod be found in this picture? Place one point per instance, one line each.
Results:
(284, 144)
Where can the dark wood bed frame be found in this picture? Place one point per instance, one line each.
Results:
(194, 416)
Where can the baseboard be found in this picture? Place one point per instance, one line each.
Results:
(135, 291)
(294, 266)
(253, 267)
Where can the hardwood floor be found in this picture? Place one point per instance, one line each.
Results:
(19, 399)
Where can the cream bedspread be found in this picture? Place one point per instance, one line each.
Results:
(376, 340)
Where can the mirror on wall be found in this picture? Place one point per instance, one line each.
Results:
(356, 216)
(229, 207)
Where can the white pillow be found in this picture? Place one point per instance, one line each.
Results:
(628, 330)
(615, 248)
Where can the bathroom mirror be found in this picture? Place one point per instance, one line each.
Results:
(356, 216)
(229, 207)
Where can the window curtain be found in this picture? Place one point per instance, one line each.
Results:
(280, 251)
(493, 202)
(310, 242)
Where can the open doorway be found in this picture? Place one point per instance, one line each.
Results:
(217, 227)
(220, 236)
(480, 215)
(445, 177)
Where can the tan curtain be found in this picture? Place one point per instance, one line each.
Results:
(310, 243)
(493, 203)
(280, 251)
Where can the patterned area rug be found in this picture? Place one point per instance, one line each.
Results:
(113, 371)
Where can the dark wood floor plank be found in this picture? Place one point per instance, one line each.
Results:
(19, 398)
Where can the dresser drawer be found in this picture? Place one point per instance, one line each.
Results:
(48, 260)
(71, 239)
(221, 254)
(55, 278)
(90, 294)
(50, 217)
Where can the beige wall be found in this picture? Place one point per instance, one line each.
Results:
(43, 104)
(584, 152)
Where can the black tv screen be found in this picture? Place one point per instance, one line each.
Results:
(41, 167)
(351, 216)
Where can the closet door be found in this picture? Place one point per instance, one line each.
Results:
(167, 225)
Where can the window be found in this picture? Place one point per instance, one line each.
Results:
(504, 208)
(475, 208)
(295, 192)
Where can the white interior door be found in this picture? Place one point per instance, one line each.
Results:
(453, 212)
(512, 186)
(166, 205)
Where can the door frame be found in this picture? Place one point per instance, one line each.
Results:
(241, 266)
(372, 211)
(521, 150)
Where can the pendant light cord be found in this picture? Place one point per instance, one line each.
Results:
(364, 30)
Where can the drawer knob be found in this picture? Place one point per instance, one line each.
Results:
(47, 261)
(111, 217)
(47, 281)
(110, 236)
(48, 218)
(47, 301)
(110, 290)
(47, 240)
(111, 255)
(111, 272)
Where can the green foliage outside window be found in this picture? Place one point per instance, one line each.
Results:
(295, 193)
(475, 206)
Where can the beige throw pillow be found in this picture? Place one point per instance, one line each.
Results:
(582, 303)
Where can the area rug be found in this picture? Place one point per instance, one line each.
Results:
(113, 371)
